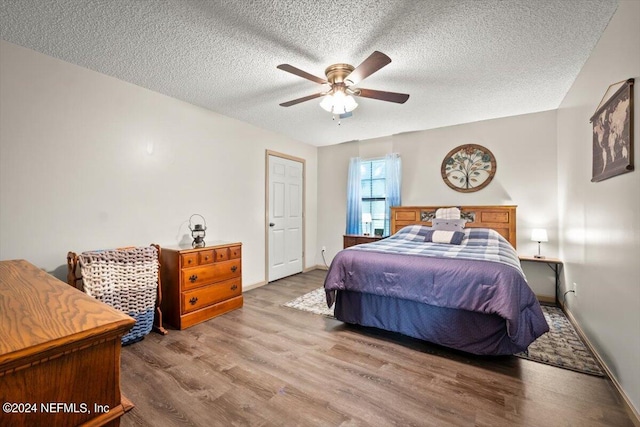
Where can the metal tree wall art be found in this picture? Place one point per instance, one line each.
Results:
(468, 168)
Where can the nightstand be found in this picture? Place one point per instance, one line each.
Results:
(358, 239)
(554, 263)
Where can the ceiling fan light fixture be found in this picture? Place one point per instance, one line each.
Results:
(338, 103)
(327, 103)
(340, 80)
(350, 104)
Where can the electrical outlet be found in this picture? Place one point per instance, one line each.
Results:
(324, 248)
(575, 289)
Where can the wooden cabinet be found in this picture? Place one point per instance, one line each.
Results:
(200, 283)
(355, 239)
(59, 352)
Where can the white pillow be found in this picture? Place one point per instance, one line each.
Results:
(448, 213)
(447, 237)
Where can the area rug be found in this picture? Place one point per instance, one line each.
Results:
(561, 346)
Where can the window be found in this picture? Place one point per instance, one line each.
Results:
(373, 186)
(373, 194)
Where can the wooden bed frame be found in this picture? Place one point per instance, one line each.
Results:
(500, 218)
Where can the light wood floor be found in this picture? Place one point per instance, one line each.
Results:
(268, 365)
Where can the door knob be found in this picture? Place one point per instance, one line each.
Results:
(271, 224)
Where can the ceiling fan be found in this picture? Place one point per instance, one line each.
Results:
(341, 79)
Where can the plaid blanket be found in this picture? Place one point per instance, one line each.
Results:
(481, 244)
(482, 275)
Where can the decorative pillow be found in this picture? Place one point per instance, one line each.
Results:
(448, 213)
(448, 224)
(447, 237)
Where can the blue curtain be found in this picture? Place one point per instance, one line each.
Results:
(354, 202)
(393, 181)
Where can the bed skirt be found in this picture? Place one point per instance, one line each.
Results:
(477, 333)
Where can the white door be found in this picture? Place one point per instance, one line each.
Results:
(285, 217)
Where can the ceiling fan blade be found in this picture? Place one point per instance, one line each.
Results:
(299, 100)
(396, 97)
(373, 63)
(298, 72)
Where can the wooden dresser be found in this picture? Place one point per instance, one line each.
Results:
(200, 283)
(59, 352)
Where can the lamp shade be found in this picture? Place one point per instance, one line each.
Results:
(366, 217)
(539, 235)
(327, 103)
(338, 103)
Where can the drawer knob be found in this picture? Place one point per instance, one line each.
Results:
(189, 262)
(193, 278)
(234, 287)
(193, 300)
(234, 268)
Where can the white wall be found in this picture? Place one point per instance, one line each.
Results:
(75, 173)
(526, 176)
(600, 222)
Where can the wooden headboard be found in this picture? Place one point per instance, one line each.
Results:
(500, 218)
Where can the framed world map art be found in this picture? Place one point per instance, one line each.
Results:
(613, 134)
(468, 168)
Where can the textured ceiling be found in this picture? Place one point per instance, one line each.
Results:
(460, 60)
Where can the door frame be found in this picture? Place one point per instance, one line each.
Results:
(266, 207)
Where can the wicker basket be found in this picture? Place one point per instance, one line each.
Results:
(127, 280)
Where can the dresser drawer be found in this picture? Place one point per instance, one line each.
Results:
(222, 254)
(207, 295)
(234, 252)
(189, 260)
(205, 257)
(199, 276)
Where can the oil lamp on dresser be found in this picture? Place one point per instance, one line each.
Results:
(198, 231)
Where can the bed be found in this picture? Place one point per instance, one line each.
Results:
(471, 296)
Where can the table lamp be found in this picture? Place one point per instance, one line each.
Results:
(539, 235)
(366, 218)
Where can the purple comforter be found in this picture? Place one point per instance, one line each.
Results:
(474, 285)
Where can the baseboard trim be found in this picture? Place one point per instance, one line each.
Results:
(631, 410)
(546, 299)
(264, 282)
(315, 267)
(254, 286)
